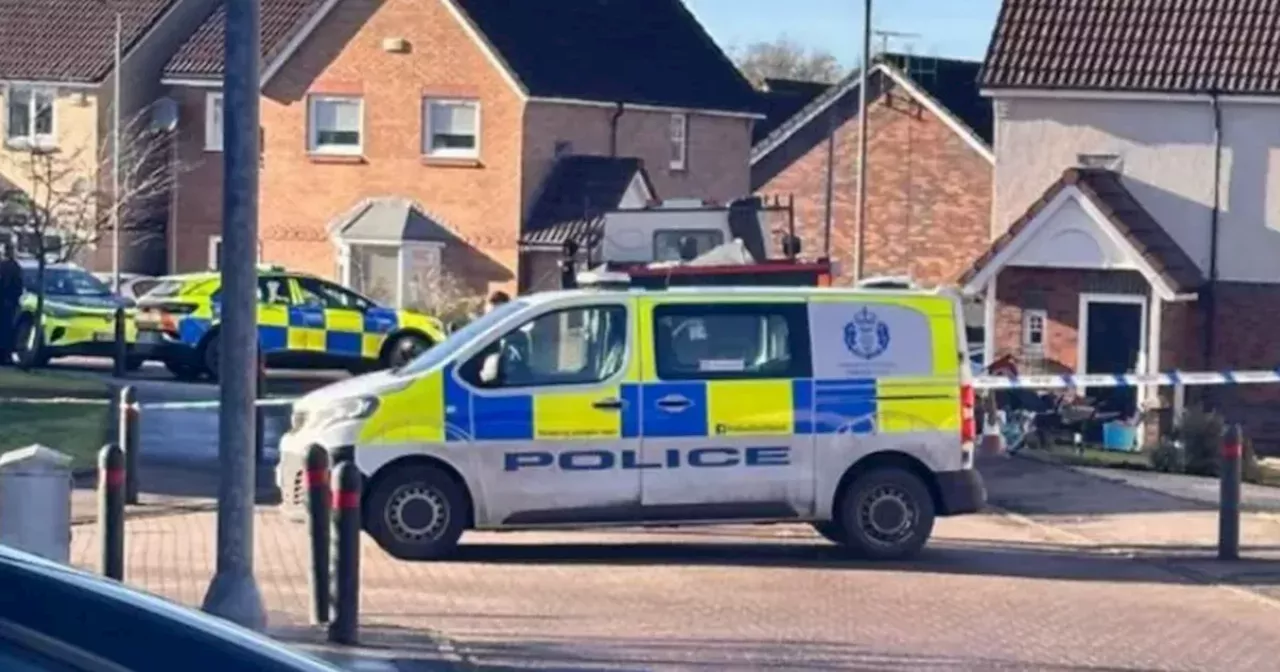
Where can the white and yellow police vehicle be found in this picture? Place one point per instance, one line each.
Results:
(849, 409)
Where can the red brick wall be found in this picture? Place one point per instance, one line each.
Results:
(928, 194)
(197, 212)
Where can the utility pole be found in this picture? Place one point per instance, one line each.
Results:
(859, 248)
(115, 146)
(233, 594)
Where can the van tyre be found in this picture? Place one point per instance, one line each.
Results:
(404, 349)
(28, 353)
(831, 531)
(886, 514)
(416, 513)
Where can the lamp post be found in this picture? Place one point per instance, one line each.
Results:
(860, 248)
(115, 144)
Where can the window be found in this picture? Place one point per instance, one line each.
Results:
(1033, 327)
(29, 117)
(679, 140)
(667, 243)
(335, 125)
(717, 341)
(375, 271)
(215, 253)
(550, 350)
(330, 296)
(213, 122)
(451, 128)
(274, 290)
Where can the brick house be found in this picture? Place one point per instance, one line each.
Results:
(56, 85)
(1134, 213)
(380, 116)
(929, 167)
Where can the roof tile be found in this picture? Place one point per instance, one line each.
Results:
(202, 54)
(1173, 46)
(69, 40)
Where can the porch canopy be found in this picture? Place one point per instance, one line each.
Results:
(1088, 220)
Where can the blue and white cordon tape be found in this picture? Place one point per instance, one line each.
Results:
(1044, 382)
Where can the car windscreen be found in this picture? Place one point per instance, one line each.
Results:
(66, 282)
(445, 349)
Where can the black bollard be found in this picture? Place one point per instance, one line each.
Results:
(111, 510)
(129, 440)
(1229, 495)
(344, 625)
(318, 520)
(121, 345)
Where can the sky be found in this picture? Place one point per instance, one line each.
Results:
(945, 28)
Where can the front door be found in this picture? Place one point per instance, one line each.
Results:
(719, 410)
(554, 435)
(1114, 343)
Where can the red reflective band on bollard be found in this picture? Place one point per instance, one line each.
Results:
(346, 500)
(114, 477)
(317, 477)
(1231, 451)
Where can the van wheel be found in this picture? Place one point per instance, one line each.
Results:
(831, 531)
(404, 349)
(182, 369)
(416, 513)
(211, 356)
(887, 514)
(28, 353)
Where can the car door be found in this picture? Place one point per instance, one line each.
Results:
(553, 418)
(344, 317)
(275, 302)
(725, 410)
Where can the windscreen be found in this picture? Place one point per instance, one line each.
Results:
(445, 349)
(66, 282)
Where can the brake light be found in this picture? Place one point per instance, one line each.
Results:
(968, 422)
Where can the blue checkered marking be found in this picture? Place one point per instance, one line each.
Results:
(192, 329)
(457, 408)
(505, 418)
(802, 406)
(308, 317)
(273, 338)
(844, 405)
(659, 422)
(342, 343)
(631, 393)
(380, 321)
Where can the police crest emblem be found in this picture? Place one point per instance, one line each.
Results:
(866, 335)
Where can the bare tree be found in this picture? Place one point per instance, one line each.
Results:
(63, 203)
(784, 58)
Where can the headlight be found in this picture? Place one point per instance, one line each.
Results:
(341, 411)
(58, 312)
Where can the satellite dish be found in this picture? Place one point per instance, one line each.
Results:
(164, 115)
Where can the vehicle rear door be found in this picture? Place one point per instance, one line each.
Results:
(345, 319)
(554, 435)
(275, 304)
(725, 409)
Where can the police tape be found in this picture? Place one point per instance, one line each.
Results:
(1059, 381)
(210, 404)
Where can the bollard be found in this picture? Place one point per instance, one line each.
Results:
(121, 345)
(1229, 495)
(318, 520)
(129, 439)
(344, 624)
(111, 477)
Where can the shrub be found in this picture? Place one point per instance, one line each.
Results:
(1201, 434)
(1168, 457)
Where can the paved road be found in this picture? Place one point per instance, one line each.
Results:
(991, 594)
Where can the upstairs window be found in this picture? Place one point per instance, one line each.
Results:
(679, 141)
(451, 129)
(213, 122)
(29, 116)
(336, 125)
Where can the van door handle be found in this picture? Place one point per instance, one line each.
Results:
(610, 404)
(674, 402)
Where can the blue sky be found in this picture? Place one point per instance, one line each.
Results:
(947, 28)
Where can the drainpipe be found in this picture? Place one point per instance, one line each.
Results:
(1210, 289)
(613, 129)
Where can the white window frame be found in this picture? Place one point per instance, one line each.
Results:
(678, 135)
(31, 139)
(313, 131)
(1028, 319)
(402, 249)
(215, 249)
(448, 153)
(214, 118)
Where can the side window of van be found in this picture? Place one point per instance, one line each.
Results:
(731, 341)
(575, 346)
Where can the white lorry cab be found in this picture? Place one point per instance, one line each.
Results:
(849, 409)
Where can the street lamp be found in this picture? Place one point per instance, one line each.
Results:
(860, 249)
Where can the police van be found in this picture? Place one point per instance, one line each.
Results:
(849, 409)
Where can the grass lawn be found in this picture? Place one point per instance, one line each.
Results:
(75, 429)
(1092, 456)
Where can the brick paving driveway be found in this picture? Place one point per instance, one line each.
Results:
(990, 594)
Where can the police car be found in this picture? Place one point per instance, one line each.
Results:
(79, 316)
(849, 409)
(303, 322)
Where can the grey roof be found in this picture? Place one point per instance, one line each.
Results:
(575, 197)
(391, 219)
(70, 40)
